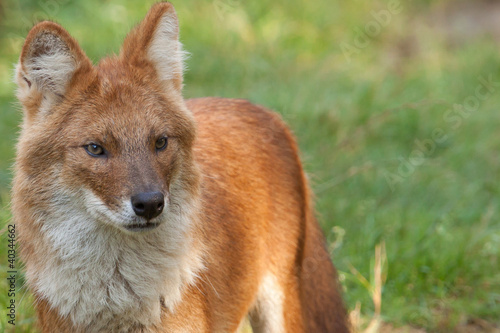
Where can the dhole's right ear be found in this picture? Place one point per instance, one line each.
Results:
(156, 40)
(49, 61)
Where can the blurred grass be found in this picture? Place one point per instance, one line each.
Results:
(356, 120)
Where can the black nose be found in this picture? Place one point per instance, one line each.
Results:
(148, 204)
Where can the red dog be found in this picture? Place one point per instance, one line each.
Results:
(141, 212)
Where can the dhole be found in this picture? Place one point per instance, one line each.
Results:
(139, 211)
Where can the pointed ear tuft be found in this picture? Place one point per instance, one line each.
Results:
(49, 59)
(156, 40)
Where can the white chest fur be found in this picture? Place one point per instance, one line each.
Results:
(106, 280)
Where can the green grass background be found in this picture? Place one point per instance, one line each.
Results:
(358, 119)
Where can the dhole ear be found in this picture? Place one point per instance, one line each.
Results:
(49, 60)
(156, 40)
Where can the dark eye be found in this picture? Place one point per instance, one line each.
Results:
(161, 143)
(94, 150)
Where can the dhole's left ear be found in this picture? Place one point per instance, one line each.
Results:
(49, 63)
(156, 40)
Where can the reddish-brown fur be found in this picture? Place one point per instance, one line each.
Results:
(256, 215)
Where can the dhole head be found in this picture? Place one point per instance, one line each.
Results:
(115, 138)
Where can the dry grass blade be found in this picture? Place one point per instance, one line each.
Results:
(375, 289)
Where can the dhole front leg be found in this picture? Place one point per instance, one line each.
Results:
(277, 308)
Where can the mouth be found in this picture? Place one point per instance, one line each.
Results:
(140, 227)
